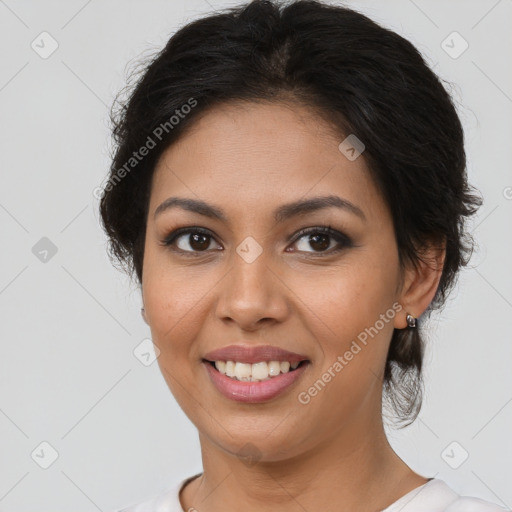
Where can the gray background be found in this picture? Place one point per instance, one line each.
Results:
(69, 325)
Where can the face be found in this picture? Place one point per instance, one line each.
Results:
(321, 280)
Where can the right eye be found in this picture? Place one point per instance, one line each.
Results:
(192, 241)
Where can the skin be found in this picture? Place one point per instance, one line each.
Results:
(248, 159)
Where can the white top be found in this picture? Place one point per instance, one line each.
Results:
(434, 496)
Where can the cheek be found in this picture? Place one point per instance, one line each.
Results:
(355, 327)
(177, 309)
(354, 304)
(176, 303)
(354, 295)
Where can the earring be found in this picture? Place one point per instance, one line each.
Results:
(411, 320)
(143, 313)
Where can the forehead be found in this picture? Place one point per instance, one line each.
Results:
(253, 156)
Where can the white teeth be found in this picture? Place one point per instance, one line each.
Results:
(243, 371)
(259, 371)
(255, 372)
(230, 369)
(285, 366)
(274, 367)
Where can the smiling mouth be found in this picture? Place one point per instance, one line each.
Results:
(255, 372)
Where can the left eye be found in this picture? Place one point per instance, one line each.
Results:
(321, 239)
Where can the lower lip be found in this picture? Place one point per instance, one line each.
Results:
(252, 392)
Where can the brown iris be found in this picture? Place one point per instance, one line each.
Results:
(313, 240)
(199, 242)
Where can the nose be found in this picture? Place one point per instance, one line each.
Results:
(252, 295)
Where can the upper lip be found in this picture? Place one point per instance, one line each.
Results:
(253, 354)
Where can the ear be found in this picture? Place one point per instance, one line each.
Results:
(420, 283)
(142, 309)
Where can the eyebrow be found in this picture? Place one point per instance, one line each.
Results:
(281, 214)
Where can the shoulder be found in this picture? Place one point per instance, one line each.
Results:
(468, 504)
(169, 501)
(437, 496)
(450, 501)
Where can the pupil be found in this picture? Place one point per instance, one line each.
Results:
(314, 238)
(199, 241)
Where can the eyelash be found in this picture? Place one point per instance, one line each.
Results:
(343, 240)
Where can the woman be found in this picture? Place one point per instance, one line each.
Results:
(289, 189)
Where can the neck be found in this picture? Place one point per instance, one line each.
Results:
(361, 472)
